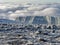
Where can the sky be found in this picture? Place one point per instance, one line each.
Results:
(32, 1)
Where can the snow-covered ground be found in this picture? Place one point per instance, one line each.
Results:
(29, 35)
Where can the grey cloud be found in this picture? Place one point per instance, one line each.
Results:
(12, 11)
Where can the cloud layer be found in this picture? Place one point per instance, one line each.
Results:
(12, 11)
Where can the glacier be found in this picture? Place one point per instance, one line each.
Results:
(39, 20)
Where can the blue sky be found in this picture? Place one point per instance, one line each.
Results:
(32, 1)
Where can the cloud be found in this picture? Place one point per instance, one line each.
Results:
(13, 11)
(51, 11)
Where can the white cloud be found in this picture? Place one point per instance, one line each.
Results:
(51, 11)
(12, 11)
